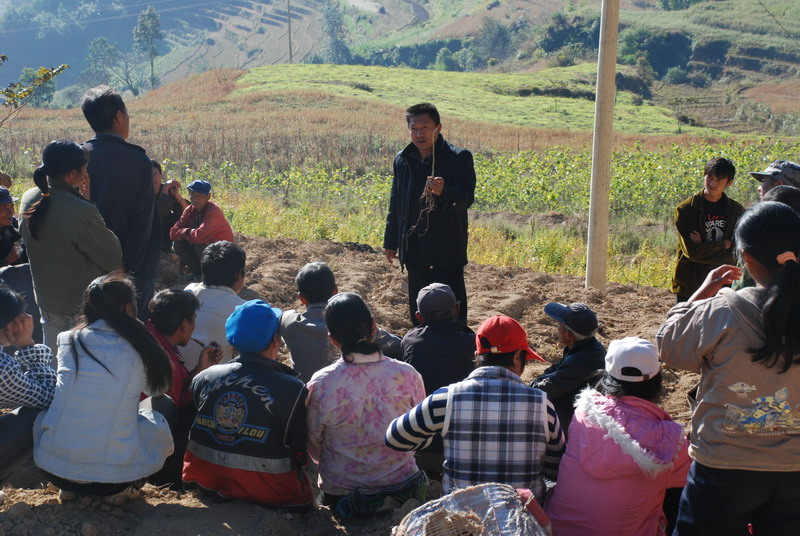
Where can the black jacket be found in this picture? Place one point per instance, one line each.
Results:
(570, 375)
(122, 188)
(444, 245)
(251, 415)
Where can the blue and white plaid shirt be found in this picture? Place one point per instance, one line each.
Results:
(26, 378)
(495, 428)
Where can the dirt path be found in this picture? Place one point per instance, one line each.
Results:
(31, 509)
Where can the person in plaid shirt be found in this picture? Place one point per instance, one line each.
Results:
(26, 379)
(495, 428)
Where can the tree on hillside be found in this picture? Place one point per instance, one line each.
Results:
(493, 40)
(106, 64)
(17, 95)
(146, 36)
(334, 49)
(45, 91)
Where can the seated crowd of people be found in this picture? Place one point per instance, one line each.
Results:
(189, 388)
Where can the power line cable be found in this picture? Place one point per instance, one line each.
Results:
(790, 36)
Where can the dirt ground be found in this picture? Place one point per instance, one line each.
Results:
(30, 508)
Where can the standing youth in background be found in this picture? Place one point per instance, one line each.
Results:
(67, 241)
(705, 225)
(122, 187)
(745, 437)
(426, 225)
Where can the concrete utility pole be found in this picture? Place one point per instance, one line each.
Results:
(289, 16)
(602, 144)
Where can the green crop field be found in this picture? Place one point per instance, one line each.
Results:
(305, 152)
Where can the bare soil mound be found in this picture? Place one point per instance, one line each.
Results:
(30, 508)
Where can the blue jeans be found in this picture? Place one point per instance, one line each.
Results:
(721, 502)
(16, 440)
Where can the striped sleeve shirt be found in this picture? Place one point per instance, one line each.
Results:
(26, 378)
(433, 415)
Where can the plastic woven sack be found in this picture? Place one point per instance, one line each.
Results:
(484, 510)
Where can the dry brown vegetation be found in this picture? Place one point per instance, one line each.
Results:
(781, 98)
(201, 120)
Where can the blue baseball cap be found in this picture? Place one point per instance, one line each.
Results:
(5, 196)
(252, 326)
(201, 187)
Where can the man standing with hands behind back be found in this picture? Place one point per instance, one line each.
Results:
(426, 225)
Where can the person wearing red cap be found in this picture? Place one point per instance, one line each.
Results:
(495, 428)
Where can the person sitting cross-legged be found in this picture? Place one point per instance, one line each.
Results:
(495, 428)
(202, 223)
(248, 441)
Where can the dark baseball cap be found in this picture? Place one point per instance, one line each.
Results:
(780, 170)
(576, 316)
(201, 187)
(5, 196)
(435, 298)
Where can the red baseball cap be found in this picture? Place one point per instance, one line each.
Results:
(504, 335)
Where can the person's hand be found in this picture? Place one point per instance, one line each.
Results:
(391, 254)
(435, 185)
(728, 244)
(13, 256)
(174, 188)
(22, 331)
(211, 355)
(83, 187)
(695, 237)
(715, 280)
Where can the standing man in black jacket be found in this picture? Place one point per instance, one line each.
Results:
(121, 186)
(426, 226)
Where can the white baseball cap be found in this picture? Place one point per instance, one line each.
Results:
(632, 360)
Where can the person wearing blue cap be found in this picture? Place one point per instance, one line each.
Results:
(248, 441)
(582, 359)
(202, 223)
(11, 249)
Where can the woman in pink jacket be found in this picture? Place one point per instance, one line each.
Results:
(623, 453)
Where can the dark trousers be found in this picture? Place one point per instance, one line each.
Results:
(16, 440)
(190, 254)
(722, 502)
(145, 288)
(418, 278)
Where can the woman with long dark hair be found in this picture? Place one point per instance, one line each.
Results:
(67, 241)
(95, 439)
(745, 438)
(349, 407)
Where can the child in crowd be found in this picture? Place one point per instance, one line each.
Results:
(171, 320)
(223, 265)
(623, 452)
(249, 439)
(96, 438)
(305, 333)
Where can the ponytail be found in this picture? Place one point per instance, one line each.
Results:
(59, 158)
(104, 299)
(350, 322)
(770, 233)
